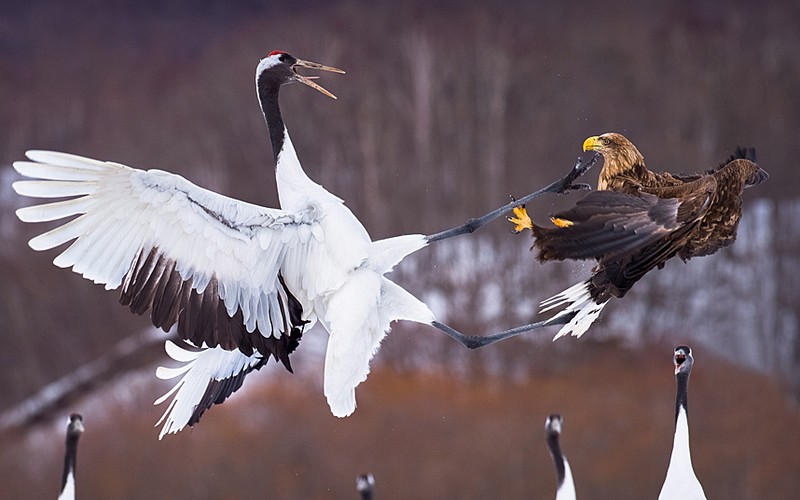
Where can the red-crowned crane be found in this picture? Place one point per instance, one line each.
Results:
(365, 484)
(241, 281)
(74, 431)
(565, 487)
(681, 481)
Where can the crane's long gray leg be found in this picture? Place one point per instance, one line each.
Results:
(560, 186)
(477, 341)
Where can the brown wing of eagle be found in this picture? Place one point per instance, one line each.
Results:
(638, 220)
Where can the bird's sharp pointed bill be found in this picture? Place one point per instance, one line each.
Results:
(308, 80)
(322, 67)
(680, 358)
(591, 143)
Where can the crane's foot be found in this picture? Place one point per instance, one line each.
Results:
(521, 220)
(473, 342)
(585, 162)
(581, 186)
(563, 185)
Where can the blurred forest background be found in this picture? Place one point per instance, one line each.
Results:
(447, 108)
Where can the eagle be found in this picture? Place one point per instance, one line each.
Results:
(636, 221)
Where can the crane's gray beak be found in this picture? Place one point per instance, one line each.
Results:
(308, 80)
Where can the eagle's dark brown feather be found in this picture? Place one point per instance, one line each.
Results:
(608, 223)
(640, 219)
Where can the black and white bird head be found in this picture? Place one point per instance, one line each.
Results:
(552, 425)
(75, 425)
(683, 359)
(364, 485)
(280, 68)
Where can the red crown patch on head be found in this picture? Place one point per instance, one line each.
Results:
(275, 52)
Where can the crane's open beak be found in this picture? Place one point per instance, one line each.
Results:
(680, 358)
(307, 80)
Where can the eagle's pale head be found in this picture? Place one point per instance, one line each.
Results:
(619, 155)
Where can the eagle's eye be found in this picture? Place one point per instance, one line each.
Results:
(605, 140)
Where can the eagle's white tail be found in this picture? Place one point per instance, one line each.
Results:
(578, 301)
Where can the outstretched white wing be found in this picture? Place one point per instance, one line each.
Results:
(190, 256)
(161, 237)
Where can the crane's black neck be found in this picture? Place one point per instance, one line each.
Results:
(366, 494)
(558, 458)
(70, 457)
(681, 401)
(268, 90)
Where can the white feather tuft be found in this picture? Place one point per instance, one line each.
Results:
(68, 493)
(201, 368)
(681, 481)
(567, 489)
(361, 313)
(578, 301)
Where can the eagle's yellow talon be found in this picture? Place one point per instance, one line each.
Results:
(561, 222)
(522, 219)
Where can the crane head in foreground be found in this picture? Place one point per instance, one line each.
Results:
(683, 360)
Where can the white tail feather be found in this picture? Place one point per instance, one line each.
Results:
(578, 301)
(201, 368)
(356, 333)
(565, 297)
